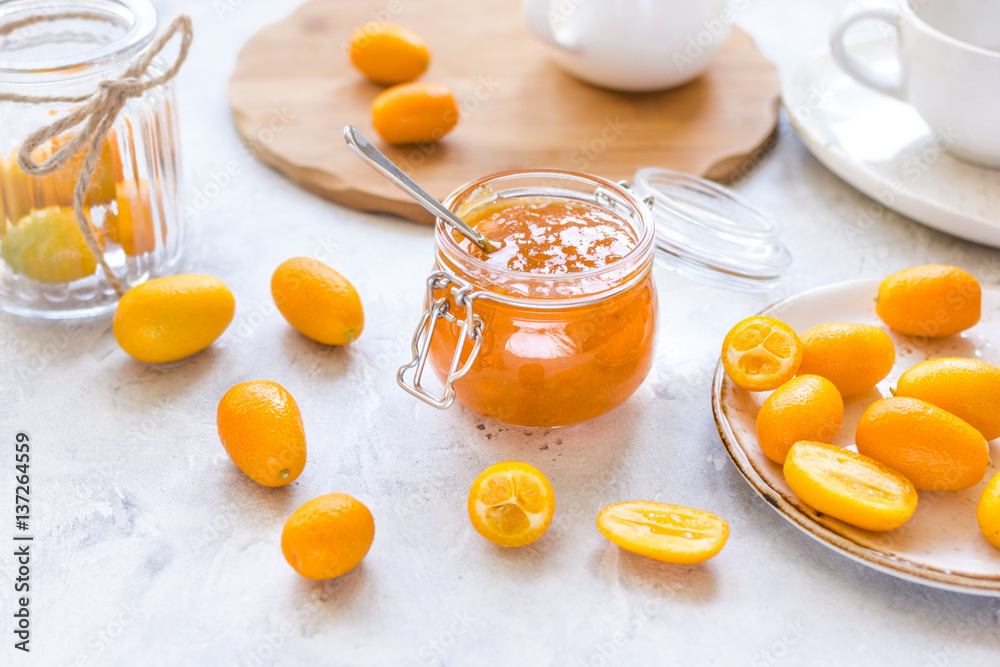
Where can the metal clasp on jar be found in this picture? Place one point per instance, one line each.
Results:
(463, 295)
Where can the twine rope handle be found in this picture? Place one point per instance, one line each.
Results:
(94, 118)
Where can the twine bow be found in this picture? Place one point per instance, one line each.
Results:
(94, 118)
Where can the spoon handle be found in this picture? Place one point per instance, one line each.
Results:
(374, 157)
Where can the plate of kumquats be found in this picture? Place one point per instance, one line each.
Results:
(867, 413)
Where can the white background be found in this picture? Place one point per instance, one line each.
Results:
(153, 549)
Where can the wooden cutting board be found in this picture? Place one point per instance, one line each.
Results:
(293, 90)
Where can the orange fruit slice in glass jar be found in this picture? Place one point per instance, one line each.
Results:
(761, 353)
(132, 226)
(101, 190)
(21, 192)
(511, 504)
(48, 246)
(664, 532)
(853, 488)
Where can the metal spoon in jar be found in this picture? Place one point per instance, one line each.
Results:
(380, 163)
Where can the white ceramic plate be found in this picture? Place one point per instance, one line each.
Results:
(941, 545)
(882, 147)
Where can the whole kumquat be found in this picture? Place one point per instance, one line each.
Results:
(415, 113)
(387, 53)
(854, 357)
(967, 388)
(261, 428)
(808, 407)
(328, 536)
(166, 319)
(932, 301)
(317, 301)
(932, 448)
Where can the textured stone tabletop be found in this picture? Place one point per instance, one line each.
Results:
(151, 548)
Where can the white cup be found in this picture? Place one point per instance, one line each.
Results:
(949, 69)
(632, 45)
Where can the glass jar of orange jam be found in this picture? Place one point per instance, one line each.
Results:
(557, 326)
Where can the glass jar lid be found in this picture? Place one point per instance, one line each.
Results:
(709, 233)
(70, 38)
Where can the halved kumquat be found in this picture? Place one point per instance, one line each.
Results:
(853, 488)
(761, 353)
(663, 532)
(511, 504)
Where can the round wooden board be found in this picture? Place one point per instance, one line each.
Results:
(293, 90)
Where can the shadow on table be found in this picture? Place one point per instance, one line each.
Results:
(322, 600)
(135, 376)
(580, 460)
(318, 361)
(680, 583)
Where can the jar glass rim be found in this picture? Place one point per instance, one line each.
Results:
(138, 18)
(643, 249)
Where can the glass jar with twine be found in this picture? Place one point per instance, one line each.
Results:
(89, 161)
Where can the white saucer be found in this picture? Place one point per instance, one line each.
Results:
(882, 147)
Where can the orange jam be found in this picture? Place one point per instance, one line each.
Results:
(551, 236)
(572, 334)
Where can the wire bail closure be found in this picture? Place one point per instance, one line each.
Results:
(463, 294)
